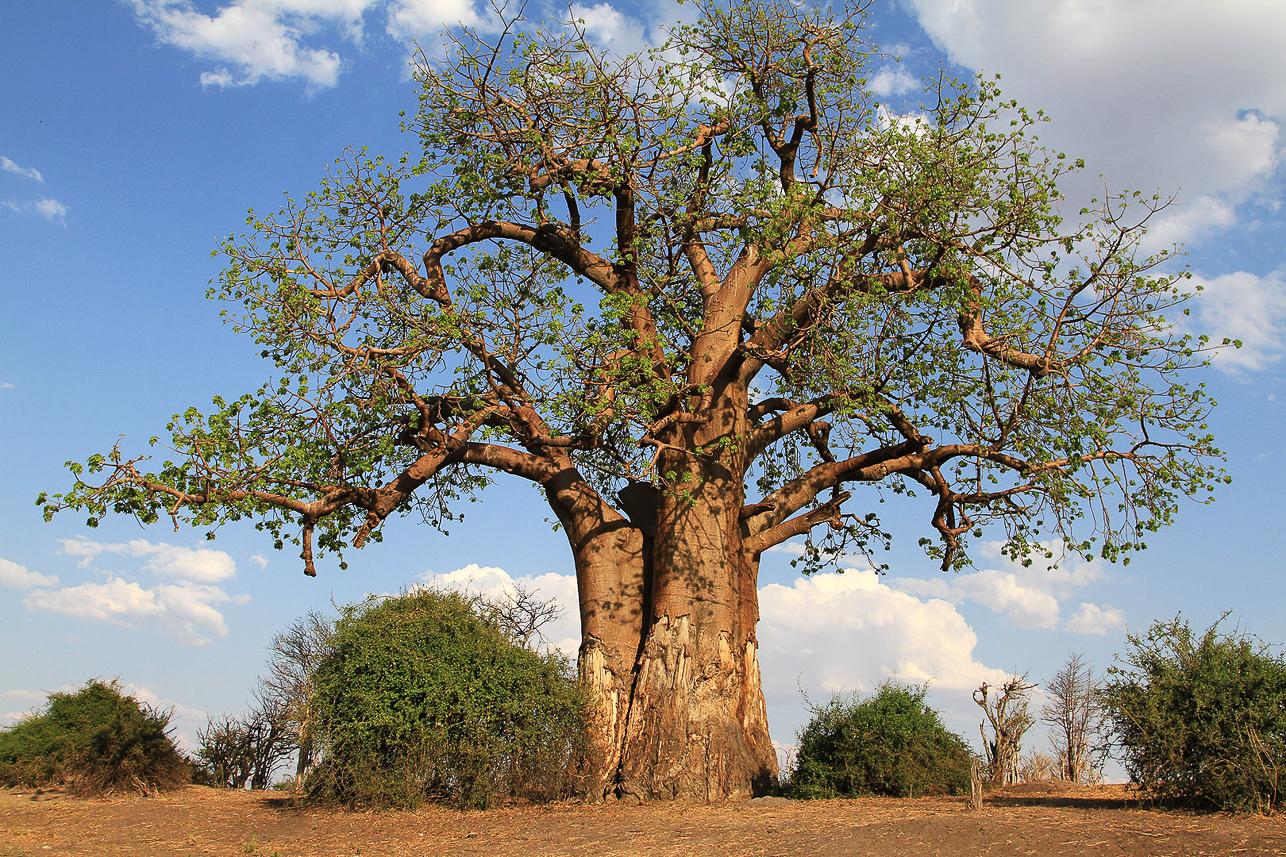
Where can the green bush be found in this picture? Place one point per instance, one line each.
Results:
(890, 744)
(94, 741)
(1200, 719)
(423, 697)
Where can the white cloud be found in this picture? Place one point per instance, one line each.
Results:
(7, 385)
(893, 81)
(608, 28)
(1028, 597)
(410, 19)
(16, 576)
(1153, 94)
(200, 565)
(492, 582)
(1246, 307)
(999, 591)
(1187, 222)
(258, 38)
(9, 166)
(183, 611)
(182, 605)
(1095, 619)
(259, 560)
(50, 208)
(834, 632)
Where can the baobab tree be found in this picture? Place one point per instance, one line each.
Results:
(699, 298)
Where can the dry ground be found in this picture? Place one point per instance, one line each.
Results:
(1041, 820)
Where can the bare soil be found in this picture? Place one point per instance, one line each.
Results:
(1031, 819)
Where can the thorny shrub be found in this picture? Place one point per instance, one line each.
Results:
(1200, 719)
(95, 741)
(890, 744)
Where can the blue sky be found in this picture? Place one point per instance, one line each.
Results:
(135, 139)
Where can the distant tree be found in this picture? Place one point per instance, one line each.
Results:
(1037, 767)
(1009, 719)
(1074, 714)
(1201, 718)
(247, 749)
(890, 744)
(224, 752)
(703, 300)
(95, 741)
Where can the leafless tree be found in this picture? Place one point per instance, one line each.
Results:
(522, 613)
(246, 749)
(1074, 714)
(1009, 719)
(294, 655)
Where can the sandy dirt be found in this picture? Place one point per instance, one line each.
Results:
(1031, 819)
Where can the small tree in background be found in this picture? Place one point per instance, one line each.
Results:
(236, 751)
(891, 744)
(1200, 718)
(1009, 719)
(1074, 714)
(224, 752)
(425, 697)
(521, 613)
(95, 741)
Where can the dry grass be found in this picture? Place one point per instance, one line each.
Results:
(1043, 819)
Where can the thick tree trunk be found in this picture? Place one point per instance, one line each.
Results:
(697, 727)
(669, 604)
(612, 561)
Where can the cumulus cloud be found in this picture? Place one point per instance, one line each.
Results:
(252, 40)
(893, 81)
(258, 39)
(495, 583)
(410, 19)
(1095, 619)
(999, 591)
(9, 166)
(1248, 308)
(183, 611)
(608, 28)
(201, 565)
(834, 632)
(182, 605)
(1028, 597)
(14, 576)
(1154, 94)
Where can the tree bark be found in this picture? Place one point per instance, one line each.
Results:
(668, 606)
